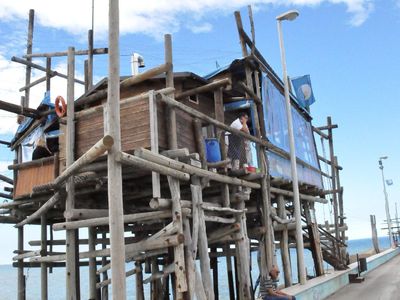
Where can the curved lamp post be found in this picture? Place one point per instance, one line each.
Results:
(389, 221)
(290, 16)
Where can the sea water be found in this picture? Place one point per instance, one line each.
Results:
(56, 280)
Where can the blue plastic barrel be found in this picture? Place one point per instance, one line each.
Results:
(213, 151)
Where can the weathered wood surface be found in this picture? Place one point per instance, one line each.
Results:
(160, 243)
(151, 166)
(38, 67)
(146, 154)
(179, 257)
(17, 109)
(65, 53)
(203, 89)
(43, 209)
(137, 217)
(202, 244)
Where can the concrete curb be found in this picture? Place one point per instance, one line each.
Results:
(322, 287)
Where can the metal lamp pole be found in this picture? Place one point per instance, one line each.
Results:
(291, 15)
(389, 221)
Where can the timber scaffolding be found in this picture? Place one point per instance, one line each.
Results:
(141, 186)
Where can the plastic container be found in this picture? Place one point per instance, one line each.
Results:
(213, 151)
(251, 169)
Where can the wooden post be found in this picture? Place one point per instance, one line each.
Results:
(104, 289)
(267, 252)
(29, 51)
(112, 127)
(85, 72)
(90, 60)
(51, 239)
(154, 142)
(314, 236)
(72, 267)
(156, 284)
(205, 268)
(198, 135)
(214, 266)
(190, 258)
(374, 234)
(48, 76)
(340, 200)
(21, 276)
(179, 254)
(243, 257)
(92, 264)
(235, 263)
(334, 187)
(139, 281)
(284, 244)
(171, 115)
(43, 265)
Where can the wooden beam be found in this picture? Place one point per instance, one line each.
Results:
(94, 152)
(43, 209)
(38, 67)
(210, 87)
(36, 82)
(160, 243)
(250, 92)
(327, 127)
(165, 161)
(317, 130)
(302, 196)
(105, 220)
(65, 53)
(135, 79)
(129, 159)
(20, 110)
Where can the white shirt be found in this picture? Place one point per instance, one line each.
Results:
(235, 124)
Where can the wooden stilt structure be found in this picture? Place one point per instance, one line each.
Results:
(134, 169)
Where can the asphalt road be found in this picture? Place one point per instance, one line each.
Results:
(383, 283)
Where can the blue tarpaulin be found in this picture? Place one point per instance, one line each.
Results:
(28, 143)
(277, 133)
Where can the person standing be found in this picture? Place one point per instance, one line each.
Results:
(237, 144)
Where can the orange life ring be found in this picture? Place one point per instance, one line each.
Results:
(60, 110)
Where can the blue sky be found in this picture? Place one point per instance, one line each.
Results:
(350, 49)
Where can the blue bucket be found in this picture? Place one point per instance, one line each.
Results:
(213, 151)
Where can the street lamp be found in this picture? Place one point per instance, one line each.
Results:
(290, 16)
(389, 221)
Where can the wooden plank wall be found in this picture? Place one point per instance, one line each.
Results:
(33, 176)
(135, 125)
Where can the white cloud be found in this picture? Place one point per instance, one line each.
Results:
(200, 28)
(12, 78)
(152, 17)
(360, 10)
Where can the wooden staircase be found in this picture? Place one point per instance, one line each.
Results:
(330, 247)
